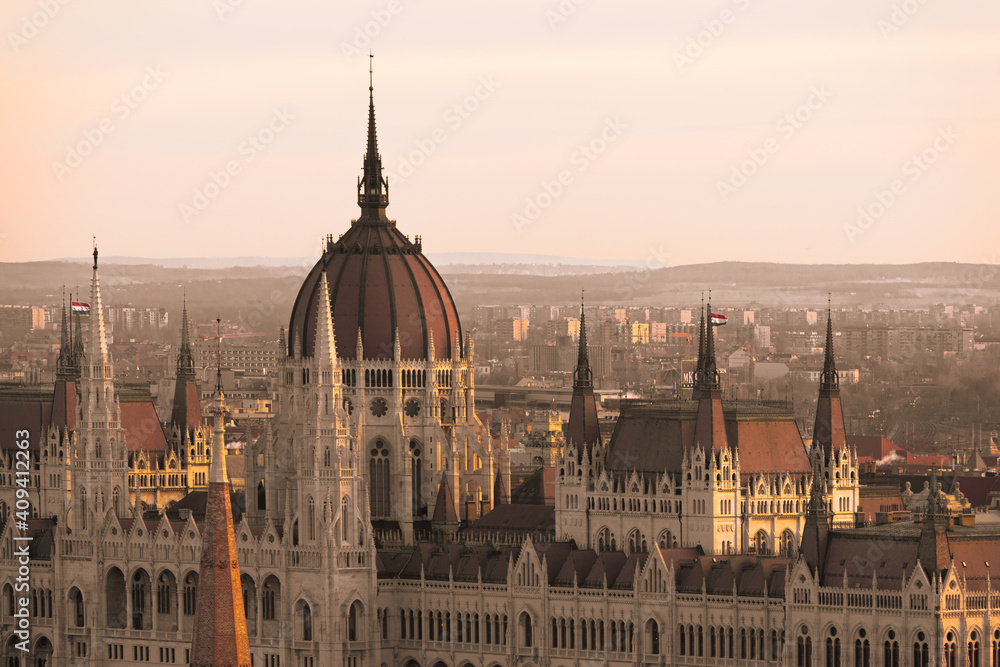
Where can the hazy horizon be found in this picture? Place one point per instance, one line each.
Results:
(850, 132)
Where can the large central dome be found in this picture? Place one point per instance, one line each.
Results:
(380, 282)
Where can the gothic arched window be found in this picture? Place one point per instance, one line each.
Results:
(379, 479)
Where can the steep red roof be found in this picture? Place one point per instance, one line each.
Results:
(710, 425)
(768, 445)
(186, 410)
(24, 408)
(651, 436)
(142, 427)
(64, 401)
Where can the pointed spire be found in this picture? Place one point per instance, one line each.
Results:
(711, 371)
(583, 376)
(360, 348)
(66, 364)
(325, 348)
(698, 379)
(76, 338)
(186, 410)
(217, 469)
(583, 429)
(829, 380)
(829, 432)
(282, 341)
(98, 354)
(185, 358)
(220, 628)
(373, 189)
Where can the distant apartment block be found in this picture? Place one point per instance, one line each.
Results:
(557, 358)
(248, 355)
(21, 317)
(129, 318)
(511, 328)
(903, 342)
(563, 326)
(762, 335)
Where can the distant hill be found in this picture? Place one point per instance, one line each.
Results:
(266, 285)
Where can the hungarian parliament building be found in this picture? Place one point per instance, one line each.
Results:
(376, 527)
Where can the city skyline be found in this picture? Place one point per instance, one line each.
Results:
(839, 133)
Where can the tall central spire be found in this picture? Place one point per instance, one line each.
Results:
(373, 189)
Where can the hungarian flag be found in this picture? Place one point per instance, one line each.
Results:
(718, 320)
(79, 307)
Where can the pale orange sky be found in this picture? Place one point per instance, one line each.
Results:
(670, 183)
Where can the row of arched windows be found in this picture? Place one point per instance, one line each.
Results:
(442, 626)
(892, 650)
(753, 642)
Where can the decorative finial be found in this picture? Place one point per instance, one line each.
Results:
(371, 61)
(95, 252)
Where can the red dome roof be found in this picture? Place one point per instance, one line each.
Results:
(379, 281)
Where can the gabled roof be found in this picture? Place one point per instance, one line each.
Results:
(650, 437)
(142, 427)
